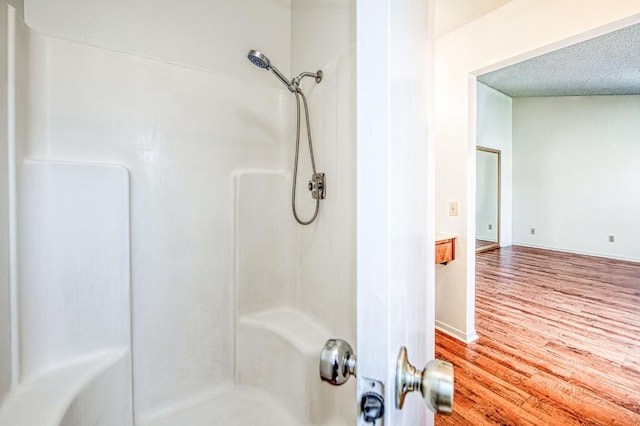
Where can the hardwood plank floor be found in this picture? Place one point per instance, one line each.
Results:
(559, 342)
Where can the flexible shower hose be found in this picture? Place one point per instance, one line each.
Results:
(299, 94)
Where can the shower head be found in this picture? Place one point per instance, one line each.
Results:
(260, 60)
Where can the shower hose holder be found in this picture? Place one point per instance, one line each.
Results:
(317, 186)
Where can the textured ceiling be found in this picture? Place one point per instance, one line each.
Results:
(605, 65)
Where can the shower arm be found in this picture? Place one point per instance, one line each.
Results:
(316, 75)
(294, 84)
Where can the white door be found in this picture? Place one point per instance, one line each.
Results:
(395, 234)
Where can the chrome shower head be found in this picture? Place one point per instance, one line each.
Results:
(258, 59)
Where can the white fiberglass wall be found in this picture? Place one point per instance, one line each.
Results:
(323, 36)
(166, 91)
(181, 133)
(5, 321)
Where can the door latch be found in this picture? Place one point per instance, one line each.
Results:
(371, 402)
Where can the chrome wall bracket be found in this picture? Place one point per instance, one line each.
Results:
(317, 186)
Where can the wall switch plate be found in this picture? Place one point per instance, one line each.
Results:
(533, 231)
(612, 238)
(453, 208)
(490, 226)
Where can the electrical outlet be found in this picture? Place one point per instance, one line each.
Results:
(453, 208)
(490, 226)
(533, 231)
(612, 238)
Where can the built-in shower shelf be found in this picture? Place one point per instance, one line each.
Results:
(46, 399)
(280, 343)
(299, 329)
(229, 406)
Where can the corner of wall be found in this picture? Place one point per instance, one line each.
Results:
(18, 5)
(6, 356)
(466, 337)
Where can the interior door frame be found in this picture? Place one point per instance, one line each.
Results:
(472, 74)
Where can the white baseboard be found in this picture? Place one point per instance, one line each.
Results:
(456, 333)
(586, 253)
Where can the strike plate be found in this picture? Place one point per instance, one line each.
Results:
(371, 408)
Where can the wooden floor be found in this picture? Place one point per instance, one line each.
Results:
(559, 342)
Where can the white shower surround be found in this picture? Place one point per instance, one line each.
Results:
(73, 315)
(186, 132)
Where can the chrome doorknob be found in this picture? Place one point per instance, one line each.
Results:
(337, 362)
(435, 383)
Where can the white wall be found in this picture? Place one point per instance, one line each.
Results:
(18, 5)
(320, 33)
(209, 35)
(519, 30)
(323, 36)
(576, 169)
(5, 323)
(453, 14)
(494, 130)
